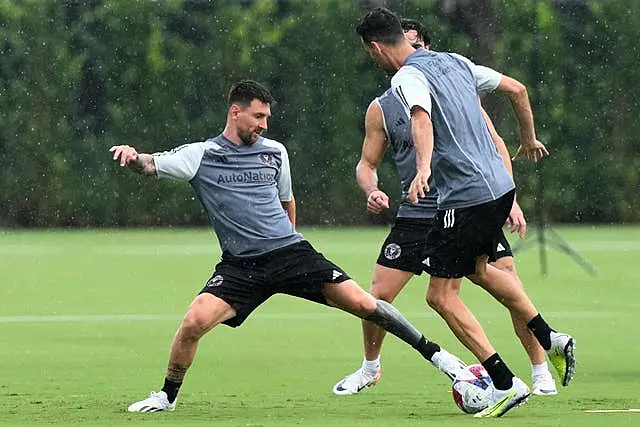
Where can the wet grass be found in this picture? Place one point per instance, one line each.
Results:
(86, 318)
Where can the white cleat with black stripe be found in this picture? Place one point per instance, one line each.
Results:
(156, 402)
(356, 382)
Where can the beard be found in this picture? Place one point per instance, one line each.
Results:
(249, 137)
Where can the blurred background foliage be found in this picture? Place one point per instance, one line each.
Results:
(77, 77)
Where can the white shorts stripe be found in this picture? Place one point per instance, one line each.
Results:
(449, 218)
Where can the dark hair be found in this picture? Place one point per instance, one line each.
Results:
(245, 91)
(412, 24)
(381, 25)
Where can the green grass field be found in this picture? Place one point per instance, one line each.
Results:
(86, 319)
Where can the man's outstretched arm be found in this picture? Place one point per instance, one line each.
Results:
(141, 163)
(530, 147)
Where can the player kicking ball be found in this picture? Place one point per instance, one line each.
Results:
(243, 181)
(476, 194)
(401, 254)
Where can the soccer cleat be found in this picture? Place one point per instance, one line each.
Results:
(356, 382)
(562, 356)
(449, 365)
(156, 402)
(544, 385)
(502, 401)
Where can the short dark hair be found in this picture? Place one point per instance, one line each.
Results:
(412, 24)
(245, 91)
(380, 25)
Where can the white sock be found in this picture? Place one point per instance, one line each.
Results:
(440, 359)
(448, 364)
(371, 366)
(437, 357)
(540, 369)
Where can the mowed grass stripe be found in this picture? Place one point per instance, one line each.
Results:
(427, 314)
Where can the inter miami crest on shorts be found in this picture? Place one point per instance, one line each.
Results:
(392, 251)
(215, 281)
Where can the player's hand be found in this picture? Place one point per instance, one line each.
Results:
(125, 153)
(516, 221)
(377, 201)
(533, 151)
(419, 186)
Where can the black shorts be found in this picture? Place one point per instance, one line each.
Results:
(459, 236)
(503, 248)
(404, 247)
(297, 270)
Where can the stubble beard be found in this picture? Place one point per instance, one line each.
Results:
(247, 137)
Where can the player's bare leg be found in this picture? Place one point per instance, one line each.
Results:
(559, 347)
(443, 295)
(349, 297)
(386, 285)
(543, 383)
(206, 311)
(528, 340)
(505, 289)
(508, 391)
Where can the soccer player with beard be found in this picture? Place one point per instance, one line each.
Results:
(243, 181)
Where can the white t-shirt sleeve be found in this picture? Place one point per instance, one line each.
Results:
(285, 192)
(487, 79)
(411, 88)
(182, 162)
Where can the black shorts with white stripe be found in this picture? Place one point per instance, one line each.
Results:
(459, 236)
(246, 282)
(503, 248)
(404, 247)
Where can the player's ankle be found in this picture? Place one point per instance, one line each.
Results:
(371, 366)
(539, 369)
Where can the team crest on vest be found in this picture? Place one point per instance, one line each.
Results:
(268, 159)
(215, 281)
(392, 251)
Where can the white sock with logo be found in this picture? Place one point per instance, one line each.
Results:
(371, 367)
(540, 369)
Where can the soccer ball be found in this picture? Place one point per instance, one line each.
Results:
(472, 389)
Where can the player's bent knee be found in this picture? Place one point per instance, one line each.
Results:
(350, 297)
(438, 301)
(193, 327)
(387, 283)
(362, 305)
(434, 301)
(379, 291)
(507, 267)
(478, 279)
(357, 308)
(204, 313)
(366, 305)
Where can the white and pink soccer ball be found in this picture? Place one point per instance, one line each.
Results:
(472, 389)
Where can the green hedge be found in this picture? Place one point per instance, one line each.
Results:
(78, 77)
